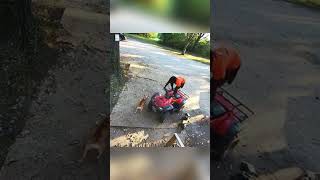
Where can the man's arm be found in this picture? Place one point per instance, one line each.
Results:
(171, 80)
(175, 91)
(166, 84)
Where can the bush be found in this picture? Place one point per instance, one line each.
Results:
(174, 40)
(178, 41)
(202, 49)
(148, 35)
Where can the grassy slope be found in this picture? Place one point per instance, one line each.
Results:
(176, 52)
(312, 3)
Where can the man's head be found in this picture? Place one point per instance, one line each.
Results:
(215, 53)
(219, 51)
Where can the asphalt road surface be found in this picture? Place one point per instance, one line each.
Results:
(279, 79)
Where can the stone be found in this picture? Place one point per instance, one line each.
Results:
(248, 168)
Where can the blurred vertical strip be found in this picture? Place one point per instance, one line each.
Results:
(175, 16)
(160, 164)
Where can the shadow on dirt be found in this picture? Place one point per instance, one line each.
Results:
(22, 72)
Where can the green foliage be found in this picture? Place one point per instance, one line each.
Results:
(198, 11)
(148, 35)
(313, 3)
(174, 40)
(158, 7)
(178, 41)
(202, 49)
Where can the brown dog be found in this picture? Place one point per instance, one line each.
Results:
(98, 137)
(141, 103)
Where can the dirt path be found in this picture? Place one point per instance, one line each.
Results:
(279, 80)
(150, 68)
(68, 104)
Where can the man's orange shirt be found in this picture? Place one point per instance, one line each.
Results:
(219, 64)
(179, 81)
(233, 60)
(224, 61)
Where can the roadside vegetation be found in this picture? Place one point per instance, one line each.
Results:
(193, 46)
(310, 3)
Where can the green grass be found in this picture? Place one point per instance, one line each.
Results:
(311, 3)
(155, 41)
(192, 57)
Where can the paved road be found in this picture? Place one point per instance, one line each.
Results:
(280, 79)
(265, 22)
(161, 60)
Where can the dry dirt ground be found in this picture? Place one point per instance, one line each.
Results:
(67, 106)
(150, 68)
(280, 80)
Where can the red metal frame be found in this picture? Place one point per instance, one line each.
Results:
(183, 94)
(235, 112)
(232, 104)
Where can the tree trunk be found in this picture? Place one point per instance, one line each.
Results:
(188, 42)
(200, 35)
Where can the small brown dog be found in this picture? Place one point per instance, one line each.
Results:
(141, 103)
(98, 137)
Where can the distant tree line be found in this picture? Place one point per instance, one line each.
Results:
(193, 43)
